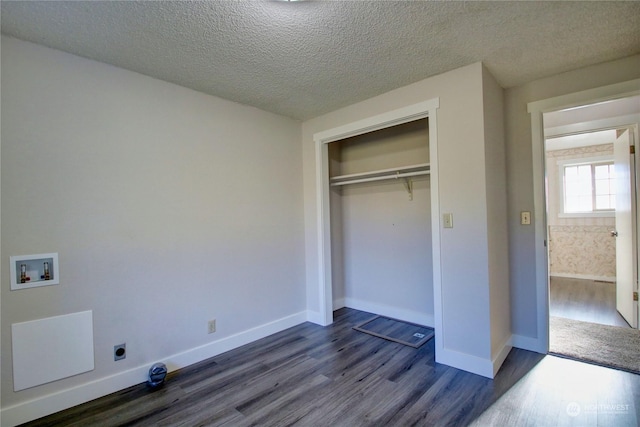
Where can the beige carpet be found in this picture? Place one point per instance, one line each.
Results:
(611, 346)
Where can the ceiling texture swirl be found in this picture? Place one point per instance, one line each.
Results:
(306, 58)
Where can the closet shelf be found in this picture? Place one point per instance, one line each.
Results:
(383, 174)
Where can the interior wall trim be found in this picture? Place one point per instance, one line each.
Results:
(466, 362)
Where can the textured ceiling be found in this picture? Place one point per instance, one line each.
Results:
(302, 59)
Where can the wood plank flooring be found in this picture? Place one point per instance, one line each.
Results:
(334, 376)
(584, 300)
(563, 392)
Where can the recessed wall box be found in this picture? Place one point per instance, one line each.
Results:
(31, 271)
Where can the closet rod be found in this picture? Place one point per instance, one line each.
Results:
(381, 178)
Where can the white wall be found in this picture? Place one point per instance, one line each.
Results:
(520, 179)
(167, 207)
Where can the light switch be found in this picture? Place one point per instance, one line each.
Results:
(447, 220)
(525, 218)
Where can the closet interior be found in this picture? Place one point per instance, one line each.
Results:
(380, 202)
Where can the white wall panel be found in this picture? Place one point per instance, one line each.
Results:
(50, 349)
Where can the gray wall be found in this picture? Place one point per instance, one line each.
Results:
(498, 249)
(520, 175)
(167, 207)
(464, 265)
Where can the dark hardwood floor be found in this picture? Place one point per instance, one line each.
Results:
(334, 376)
(584, 300)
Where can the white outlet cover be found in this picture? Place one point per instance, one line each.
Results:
(447, 220)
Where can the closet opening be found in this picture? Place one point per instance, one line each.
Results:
(380, 209)
(378, 241)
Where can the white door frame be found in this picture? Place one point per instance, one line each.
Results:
(322, 140)
(537, 109)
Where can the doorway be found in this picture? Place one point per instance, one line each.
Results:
(590, 203)
(536, 110)
(582, 210)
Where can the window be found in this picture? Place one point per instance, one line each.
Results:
(588, 187)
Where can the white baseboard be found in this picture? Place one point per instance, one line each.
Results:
(466, 362)
(412, 316)
(380, 309)
(476, 365)
(501, 355)
(55, 402)
(611, 279)
(529, 343)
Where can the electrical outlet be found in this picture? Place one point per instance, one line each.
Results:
(119, 352)
(212, 326)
